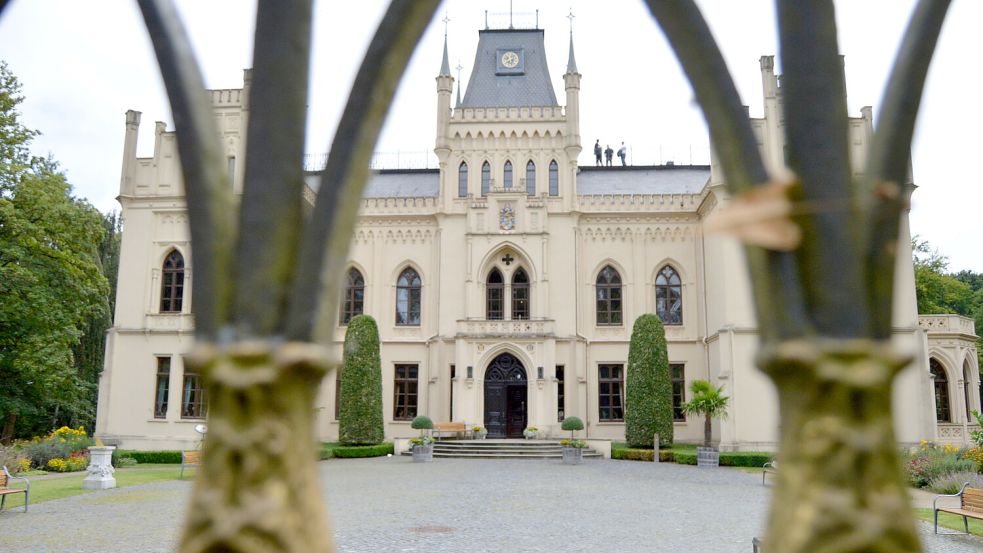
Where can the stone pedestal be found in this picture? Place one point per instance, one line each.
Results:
(100, 469)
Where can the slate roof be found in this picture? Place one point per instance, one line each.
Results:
(532, 89)
(400, 183)
(646, 179)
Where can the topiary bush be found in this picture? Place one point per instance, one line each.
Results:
(359, 451)
(648, 405)
(421, 422)
(572, 424)
(360, 408)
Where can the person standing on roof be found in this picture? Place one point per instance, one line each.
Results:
(608, 154)
(597, 152)
(621, 154)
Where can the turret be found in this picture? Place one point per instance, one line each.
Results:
(571, 82)
(445, 85)
(128, 174)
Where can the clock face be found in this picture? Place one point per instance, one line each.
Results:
(510, 59)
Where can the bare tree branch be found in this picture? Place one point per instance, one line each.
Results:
(271, 214)
(209, 202)
(885, 189)
(326, 239)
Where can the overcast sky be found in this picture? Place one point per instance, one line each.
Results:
(83, 64)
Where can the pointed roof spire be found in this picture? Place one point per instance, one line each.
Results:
(571, 61)
(445, 66)
(459, 68)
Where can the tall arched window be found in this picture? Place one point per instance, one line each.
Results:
(967, 383)
(353, 302)
(408, 298)
(608, 297)
(941, 391)
(520, 295)
(495, 296)
(669, 296)
(531, 178)
(507, 180)
(462, 180)
(554, 179)
(172, 283)
(485, 178)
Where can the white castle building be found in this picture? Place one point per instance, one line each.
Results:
(506, 282)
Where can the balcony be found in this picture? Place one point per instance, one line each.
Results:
(483, 328)
(947, 324)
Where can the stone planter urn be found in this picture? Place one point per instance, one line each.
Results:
(423, 453)
(573, 455)
(100, 469)
(707, 457)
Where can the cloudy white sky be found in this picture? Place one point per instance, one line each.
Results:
(83, 64)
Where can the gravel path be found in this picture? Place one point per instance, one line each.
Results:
(393, 505)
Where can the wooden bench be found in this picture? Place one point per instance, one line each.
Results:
(771, 467)
(440, 428)
(5, 478)
(970, 506)
(189, 459)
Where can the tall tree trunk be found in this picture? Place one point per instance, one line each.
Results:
(840, 486)
(8, 429)
(258, 492)
(707, 431)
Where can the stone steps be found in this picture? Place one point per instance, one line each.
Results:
(501, 449)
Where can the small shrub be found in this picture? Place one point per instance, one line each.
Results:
(633, 454)
(952, 482)
(422, 440)
(976, 454)
(59, 444)
(359, 451)
(580, 444)
(155, 457)
(931, 461)
(14, 460)
(126, 462)
(687, 458)
(421, 422)
(572, 424)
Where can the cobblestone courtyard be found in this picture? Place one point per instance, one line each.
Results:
(393, 505)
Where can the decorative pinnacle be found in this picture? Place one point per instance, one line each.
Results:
(459, 68)
(571, 60)
(445, 66)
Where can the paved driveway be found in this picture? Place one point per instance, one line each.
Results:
(393, 505)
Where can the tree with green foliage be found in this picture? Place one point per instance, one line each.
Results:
(648, 405)
(50, 281)
(707, 400)
(360, 409)
(572, 424)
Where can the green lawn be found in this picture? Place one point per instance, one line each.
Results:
(47, 489)
(952, 522)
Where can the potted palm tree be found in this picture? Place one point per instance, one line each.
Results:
(709, 401)
(422, 446)
(573, 449)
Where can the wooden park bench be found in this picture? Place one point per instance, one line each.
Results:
(190, 459)
(440, 428)
(771, 467)
(5, 478)
(970, 506)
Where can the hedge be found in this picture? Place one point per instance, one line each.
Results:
(730, 458)
(648, 405)
(157, 457)
(357, 451)
(360, 406)
(638, 454)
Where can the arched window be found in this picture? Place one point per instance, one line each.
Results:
(172, 283)
(495, 296)
(531, 178)
(408, 298)
(520, 295)
(354, 300)
(485, 178)
(554, 179)
(608, 297)
(507, 180)
(967, 382)
(669, 296)
(462, 180)
(941, 391)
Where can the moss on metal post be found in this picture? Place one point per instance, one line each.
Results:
(840, 487)
(257, 491)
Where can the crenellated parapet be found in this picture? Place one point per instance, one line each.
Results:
(599, 203)
(511, 115)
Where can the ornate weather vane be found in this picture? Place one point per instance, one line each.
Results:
(446, 20)
(570, 17)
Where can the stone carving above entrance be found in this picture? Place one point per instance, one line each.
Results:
(506, 218)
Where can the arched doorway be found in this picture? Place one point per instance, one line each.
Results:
(506, 394)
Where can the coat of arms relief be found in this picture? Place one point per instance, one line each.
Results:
(506, 218)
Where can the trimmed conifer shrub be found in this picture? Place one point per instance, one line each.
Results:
(360, 408)
(648, 405)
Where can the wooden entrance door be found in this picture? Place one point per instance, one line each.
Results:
(506, 395)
